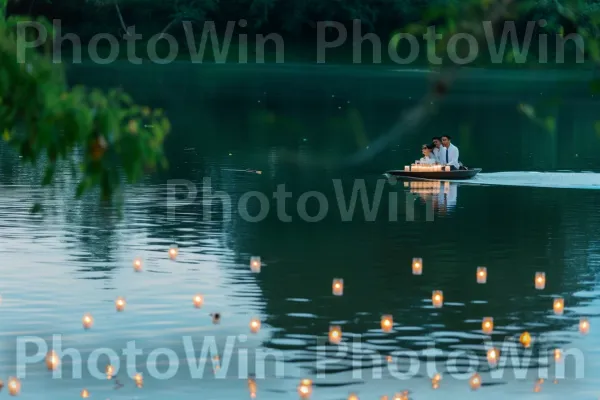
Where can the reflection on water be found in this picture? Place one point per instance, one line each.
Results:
(77, 258)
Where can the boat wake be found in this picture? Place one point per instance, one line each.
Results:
(564, 180)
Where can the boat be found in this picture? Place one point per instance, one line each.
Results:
(459, 174)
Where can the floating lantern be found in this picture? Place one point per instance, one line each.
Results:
(110, 371)
(481, 274)
(540, 280)
(52, 360)
(537, 387)
(387, 322)
(352, 396)
(559, 306)
(88, 321)
(198, 300)
(557, 355)
(407, 168)
(338, 287)
(389, 359)
(487, 326)
(137, 265)
(475, 381)
(447, 168)
(584, 326)
(305, 388)
(139, 380)
(14, 386)
(335, 334)
(492, 356)
(525, 339)
(255, 264)
(254, 325)
(435, 381)
(417, 266)
(85, 394)
(120, 304)
(437, 298)
(252, 388)
(173, 252)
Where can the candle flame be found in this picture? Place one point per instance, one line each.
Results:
(52, 360)
(88, 321)
(584, 326)
(14, 386)
(139, 380)
(85, 394)
(254, 325)
(525, 339)
(198, 301)
(120, 304)
(475, 381)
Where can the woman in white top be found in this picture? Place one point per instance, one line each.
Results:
(428, 157)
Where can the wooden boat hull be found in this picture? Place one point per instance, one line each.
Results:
(435, 175)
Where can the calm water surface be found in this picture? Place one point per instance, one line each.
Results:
(535, 209)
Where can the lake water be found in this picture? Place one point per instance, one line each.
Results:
(534, 208)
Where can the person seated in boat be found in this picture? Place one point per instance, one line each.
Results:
(449, 153)
(428, 157)
(437, 147)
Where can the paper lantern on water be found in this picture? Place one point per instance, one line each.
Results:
(173, 252)
(337, 287)
(85, 394)
(437, 298)
(255, 264)
(110, 371)
(557, 355)
(139, 380)
(137, 265)
(52, 360)
(481, 274)
(87, 321)
(584, 326)
(254, 325)
(352, 396)
(475, 381)
(305, 388)
(387, 322)
(540, 280)
(487, 325)
(198, 300)
(120, 304)
(525, 339)
(335, 334)
(14, 386)
(559, 306)
(417, 266)
(252, 388)
(492, 356)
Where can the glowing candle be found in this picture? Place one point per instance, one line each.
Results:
(88, 321)
(335, 334)
(387, 322)
(255, 264)
(540, 280)
(492, 356)
(437, 298)
(85, 394)
(137, 265)
(110, 371)
(435, 381)
(198, 300)
(487, 325)
(475, 381)
(120, 304)
(447, 168)
(14, 386)
(398, 396)
(481, 274)
(173, 252)
(252, 388)
(139, 380)
(305, 388)
(352, 396)
(525, 339)
(389, 359)
(557, 355)
(338, 287)
(52, 360)
(417, 266)
(407, 168)
(254, 325)
(584, 326)
(559, 306)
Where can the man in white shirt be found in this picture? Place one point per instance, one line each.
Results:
(449, 153)
(437, 142)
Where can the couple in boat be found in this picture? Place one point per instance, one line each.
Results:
(441, 151)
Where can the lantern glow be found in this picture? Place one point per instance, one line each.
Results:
(335, 334)
(417, 266)
(139, 380)
(85, 394)
(110, 371)
(252, 388)
(305, 388)
(481, 275)
(255, 264)
(173, 252)
(437, 298)
(475, 381)
(540, 280)
(557, 355)
(559, 306)
(52, 360)
(525, 339)
(88, 321)
(14, 386)
(352, 396)
(584, 326)
(254, 325)
(198, 300)
(492, 356)
(137, 265)
(337, 287)
(120, 304)
(487, 325)
(387, 322)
